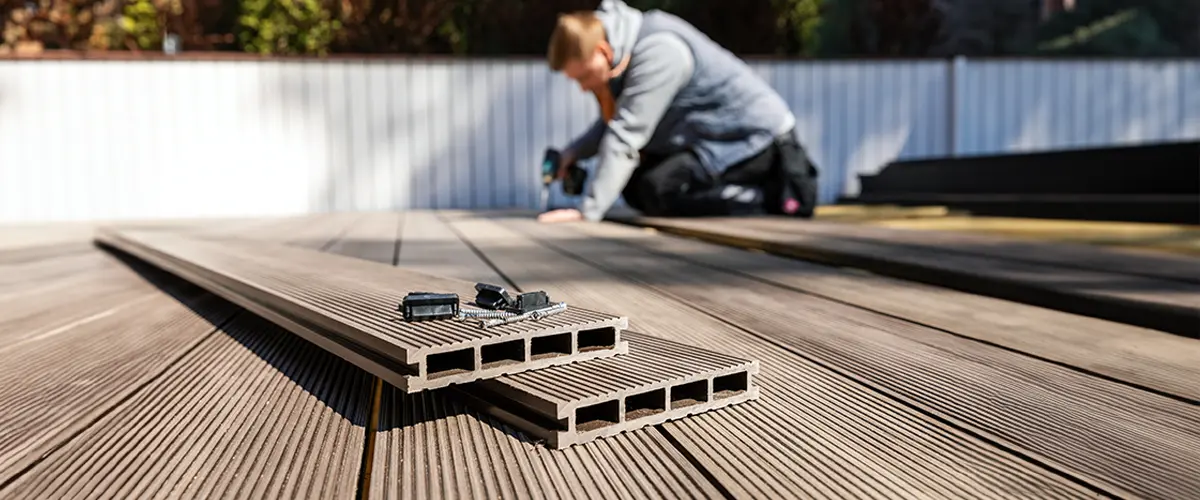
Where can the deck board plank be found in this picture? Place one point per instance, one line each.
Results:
(1154, 360)
(1041, 409)
(250, 413)
(86, 371)
(1058, 254)
(1162, 304)
(429, 444)
(813, 432)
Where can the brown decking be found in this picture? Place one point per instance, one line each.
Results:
(1098, 283)
(119, 380)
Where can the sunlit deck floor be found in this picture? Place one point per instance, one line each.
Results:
(117, 380)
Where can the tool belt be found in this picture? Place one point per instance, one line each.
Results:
(793, 191)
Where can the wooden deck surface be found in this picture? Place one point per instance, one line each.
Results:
(117, 380)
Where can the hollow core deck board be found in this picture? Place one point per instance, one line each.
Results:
(1153, 303)
(249, 413)
(348, 305)
(813, 432)
(1040, 409)
(1151, 359)
(431, 445)
(58, 386)
(657, 381)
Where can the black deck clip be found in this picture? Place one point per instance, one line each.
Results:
(530, 301)
(428, 306)
(492, 297)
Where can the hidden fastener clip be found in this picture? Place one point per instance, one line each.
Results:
(492, 297)
(428, 306)
(530, 301)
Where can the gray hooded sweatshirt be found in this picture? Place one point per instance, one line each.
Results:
(681, 91)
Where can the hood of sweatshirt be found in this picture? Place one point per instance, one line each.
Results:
(621, 25)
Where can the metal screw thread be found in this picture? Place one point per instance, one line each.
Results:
(535, 315)
(482, 314)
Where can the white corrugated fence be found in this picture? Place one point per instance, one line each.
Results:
(85, 139)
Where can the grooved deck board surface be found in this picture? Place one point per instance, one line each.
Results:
(27, 276)
(1155, 303)
(44, 306)
(355, 301)
(1158, 361)
(58, 385)
(1151, 239)
(812, 432)
(1077, 256)
(651, 362)
(872, 405)
(249, 413)
(538, 401)
(1043, 410)
(432, 445)
(431, 246)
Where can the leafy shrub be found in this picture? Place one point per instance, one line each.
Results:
(286, 27)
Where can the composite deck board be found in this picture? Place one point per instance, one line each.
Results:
(42, 253)
(250, 413)
(657, 381)
(52, 312)
(432, 445)
(83, 373)
(25, 236)
(26, 277)
(1077, 256)
(348, 305)
(813, 432)
(1172, 306)
(1152, 443)
(1152, 359)
(431, 246)
(372, 238)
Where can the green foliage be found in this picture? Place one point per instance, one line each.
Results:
(286, 27)
(140, 23)
(801, 22)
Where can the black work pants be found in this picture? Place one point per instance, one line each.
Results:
(778, 180)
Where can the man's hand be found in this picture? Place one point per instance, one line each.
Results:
(561, 215)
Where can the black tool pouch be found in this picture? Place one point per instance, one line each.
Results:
(796, 179)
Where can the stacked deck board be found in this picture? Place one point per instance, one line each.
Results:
(567, 378)
(659, 380)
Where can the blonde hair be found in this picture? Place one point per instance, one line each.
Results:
(575, 37)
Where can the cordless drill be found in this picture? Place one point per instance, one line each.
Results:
(572, 183)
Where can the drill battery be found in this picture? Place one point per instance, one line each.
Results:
(572, 183)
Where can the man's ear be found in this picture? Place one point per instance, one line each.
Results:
(606, 49)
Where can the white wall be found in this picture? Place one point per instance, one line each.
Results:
(190, 138)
